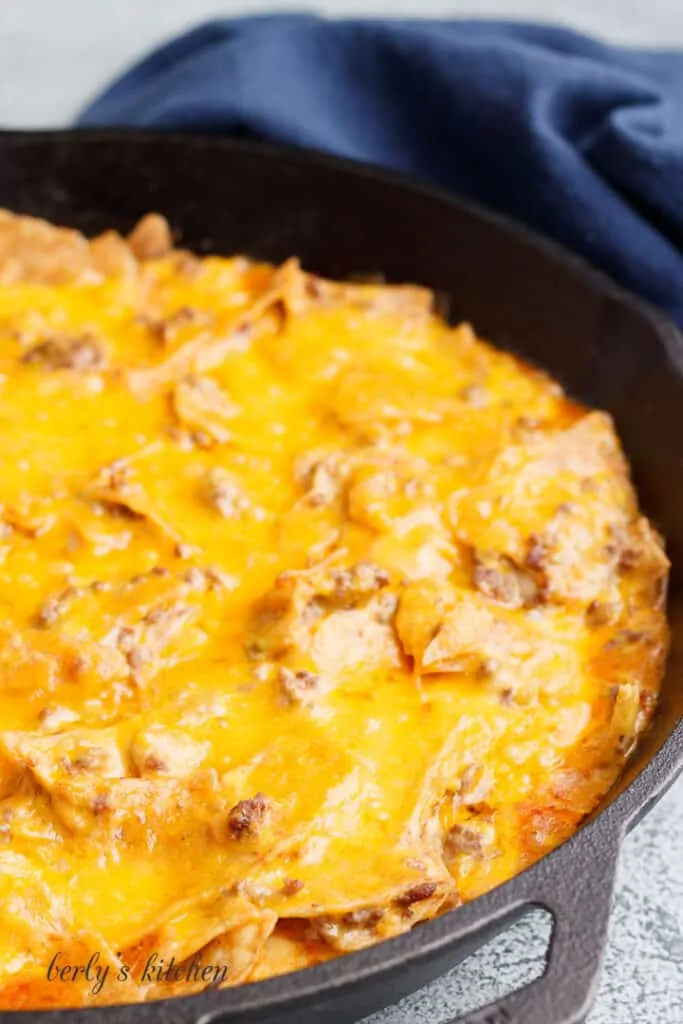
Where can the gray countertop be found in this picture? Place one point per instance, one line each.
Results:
(53, 55)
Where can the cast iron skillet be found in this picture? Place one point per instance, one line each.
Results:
(522, 293)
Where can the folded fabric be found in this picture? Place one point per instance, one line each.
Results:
(580, 140)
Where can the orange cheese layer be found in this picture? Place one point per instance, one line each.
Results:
(318, 616)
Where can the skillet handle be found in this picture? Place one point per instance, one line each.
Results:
(578, 893)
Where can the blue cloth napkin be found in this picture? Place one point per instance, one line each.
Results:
(580, 140)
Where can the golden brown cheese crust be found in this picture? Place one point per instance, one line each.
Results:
(319, 618)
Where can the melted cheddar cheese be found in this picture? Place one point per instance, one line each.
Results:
(319, 616)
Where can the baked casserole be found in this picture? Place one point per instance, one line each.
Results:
(319, 616)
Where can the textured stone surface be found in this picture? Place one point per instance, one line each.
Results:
(53, 55)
